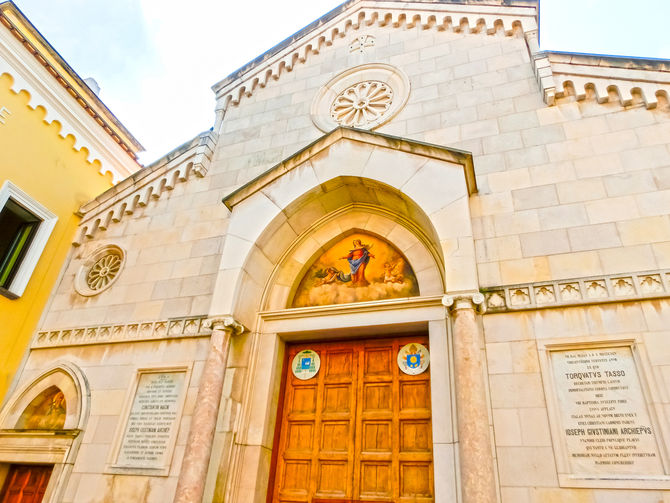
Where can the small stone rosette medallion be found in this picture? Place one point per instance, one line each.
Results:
(362, 104)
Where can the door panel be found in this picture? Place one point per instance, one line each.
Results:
(360, 430)
(25, 484)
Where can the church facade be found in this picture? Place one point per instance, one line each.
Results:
(416, 259)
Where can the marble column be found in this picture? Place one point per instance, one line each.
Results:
(195, 464)
(478, 482)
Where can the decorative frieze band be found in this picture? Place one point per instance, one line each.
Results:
(192, 326)
(592, 290)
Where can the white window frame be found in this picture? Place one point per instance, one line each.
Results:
(29, 262)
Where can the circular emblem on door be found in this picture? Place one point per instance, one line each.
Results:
(413, 359)
(306, 364)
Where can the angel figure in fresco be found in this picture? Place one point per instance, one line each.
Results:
(393, 271)
(358, 260)
(331, 275)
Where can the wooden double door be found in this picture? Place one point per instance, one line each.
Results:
(25, 483)
(359, 430)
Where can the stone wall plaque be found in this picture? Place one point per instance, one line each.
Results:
(151, 428)
(604, 418)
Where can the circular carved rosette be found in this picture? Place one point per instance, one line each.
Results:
(103, 272)
(99, 271)
(363, 97)
(362, 104)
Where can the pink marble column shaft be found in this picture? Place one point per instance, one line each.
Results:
(478, 484)
(195, 464)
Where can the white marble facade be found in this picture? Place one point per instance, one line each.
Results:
(540, 180)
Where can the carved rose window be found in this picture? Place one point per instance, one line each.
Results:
(103, 271)
(362, 104)
(100, 270)
(364, 97)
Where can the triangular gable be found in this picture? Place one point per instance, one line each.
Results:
(624, 78)
(372, 138)
(467, 16)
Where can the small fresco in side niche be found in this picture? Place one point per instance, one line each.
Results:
(358, 268)
(45, 412)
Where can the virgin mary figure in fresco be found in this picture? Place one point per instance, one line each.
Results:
(47, 414)
(358, 260)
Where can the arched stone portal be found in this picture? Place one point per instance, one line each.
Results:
(425, 186)
(416, 196)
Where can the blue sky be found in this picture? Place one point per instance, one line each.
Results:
(155, 60)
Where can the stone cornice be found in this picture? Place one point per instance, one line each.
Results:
(579, 291)
(610, 78)
(610, 81)
(24, 46)
(467, 17)
(175, 328)
(149, 184)
(356, 307)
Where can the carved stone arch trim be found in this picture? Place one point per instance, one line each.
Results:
(67, 377)
(438, 182)
(422, 254)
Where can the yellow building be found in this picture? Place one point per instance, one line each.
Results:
(60, 146)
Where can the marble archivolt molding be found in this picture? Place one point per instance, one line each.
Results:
(487, 19)
(580, 291)
(190, 326)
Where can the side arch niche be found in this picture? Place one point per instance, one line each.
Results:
(42, 424)
(61, 392)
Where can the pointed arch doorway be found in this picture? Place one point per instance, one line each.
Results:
(40, 434)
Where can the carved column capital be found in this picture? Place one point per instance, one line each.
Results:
(466, 300)
(226, 323)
